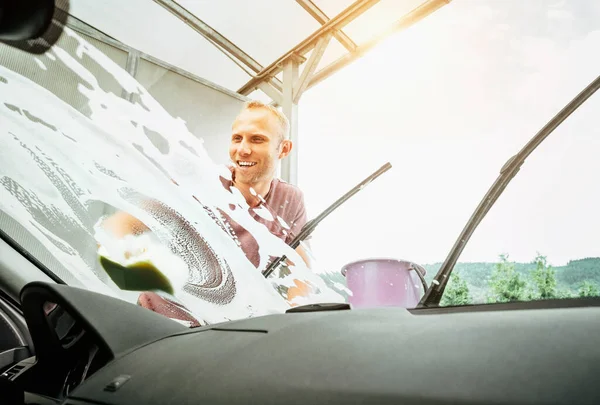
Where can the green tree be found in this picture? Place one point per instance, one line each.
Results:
(544, 279)
(506, 284)
(456, 292)
(588, 289)
(564, 294)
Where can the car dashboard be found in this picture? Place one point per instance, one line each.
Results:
(527, 354)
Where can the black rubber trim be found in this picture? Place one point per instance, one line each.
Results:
(511, 306)
(221, 329)
(321, 307)
(23, 252)
(11, 301)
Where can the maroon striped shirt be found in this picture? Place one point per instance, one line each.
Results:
(283, 201)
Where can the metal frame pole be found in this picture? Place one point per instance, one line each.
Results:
(289, 166)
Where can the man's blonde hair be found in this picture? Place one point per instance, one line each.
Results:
(284, 123)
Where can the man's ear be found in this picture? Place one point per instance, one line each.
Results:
(285, 148)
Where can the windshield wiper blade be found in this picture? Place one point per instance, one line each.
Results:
(434, 293)
(310, 226)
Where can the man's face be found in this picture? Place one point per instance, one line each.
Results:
(256, 146)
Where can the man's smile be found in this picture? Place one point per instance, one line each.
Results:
(243, 163)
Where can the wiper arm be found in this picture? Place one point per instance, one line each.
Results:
(310, 226)
(434, 293)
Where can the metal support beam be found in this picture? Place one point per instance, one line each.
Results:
(311, 66)
(272, 92)
(85, 29)
(289, 166)
(336, 23)
(312, 9)
(406, 21)
(131, 66)
(215, 38)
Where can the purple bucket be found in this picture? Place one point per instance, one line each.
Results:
(383, 283)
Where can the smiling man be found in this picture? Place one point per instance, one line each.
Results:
(258, 142)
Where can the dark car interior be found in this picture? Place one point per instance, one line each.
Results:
(527, 353)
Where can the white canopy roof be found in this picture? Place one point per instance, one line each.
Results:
(230, 41)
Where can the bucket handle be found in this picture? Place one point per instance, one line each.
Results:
(420, 272)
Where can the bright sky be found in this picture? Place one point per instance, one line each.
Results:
(447, 103)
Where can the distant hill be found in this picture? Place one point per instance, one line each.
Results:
(569, 278)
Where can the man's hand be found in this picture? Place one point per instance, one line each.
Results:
(121, 224)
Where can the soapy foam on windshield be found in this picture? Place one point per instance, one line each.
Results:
(109, 197)
(342, 287)
(98, 159)
(40, 64)
(263, 213)
(282, 222)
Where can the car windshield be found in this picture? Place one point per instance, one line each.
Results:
(94, 131)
